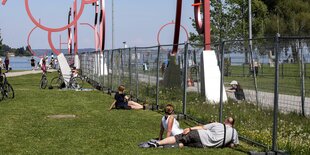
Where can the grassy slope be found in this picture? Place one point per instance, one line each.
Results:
(25, 128)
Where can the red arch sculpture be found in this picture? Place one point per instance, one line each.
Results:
(83, 3)
(29, 47)
(201, 29)
(97, 37)
(158, 33)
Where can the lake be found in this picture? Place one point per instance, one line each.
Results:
(20, 63)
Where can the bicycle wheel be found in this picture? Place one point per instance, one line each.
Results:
(1, 93)
(8, 91)
(56, 82)
(43, 83)
(77, 83)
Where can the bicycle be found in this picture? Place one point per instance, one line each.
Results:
(73, 83)
(43, 81)
(6, 88)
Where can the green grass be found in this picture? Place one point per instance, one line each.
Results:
(251, 122)
(289, 80)
(25, 128)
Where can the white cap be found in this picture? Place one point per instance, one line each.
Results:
(233, 82)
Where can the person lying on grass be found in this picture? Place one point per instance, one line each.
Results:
(169, 123)
(209, 135)
(122, 100)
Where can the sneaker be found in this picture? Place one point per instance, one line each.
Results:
(153, 144)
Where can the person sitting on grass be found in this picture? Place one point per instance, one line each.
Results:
(209, 135)
(169, 123)
(237, 90)
(122, 100)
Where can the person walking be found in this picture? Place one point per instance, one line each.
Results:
(7, 62)
(32, 63)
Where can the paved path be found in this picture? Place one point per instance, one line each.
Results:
(12, 74)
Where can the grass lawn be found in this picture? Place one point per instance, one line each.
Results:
(289, 80)
(25, 128)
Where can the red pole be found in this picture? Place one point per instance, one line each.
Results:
(177, 27)
(102, 24)
(207, 27)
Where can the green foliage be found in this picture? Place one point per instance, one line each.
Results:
(269, 17)
(229, 20)
(293, 17)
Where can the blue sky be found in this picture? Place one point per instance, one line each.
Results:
(136, 22)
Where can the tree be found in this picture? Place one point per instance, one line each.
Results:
(292, 18)
(231, 17)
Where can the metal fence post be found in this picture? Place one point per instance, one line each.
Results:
(157, 78)
(254, 71)
(130, 79)
(302, 80)
(276, 95)
(119, 67)
(137, 76)
(112, 68)
(122, 63)
(185, 79)
(221, 82)
(103, 69)
(108, 67)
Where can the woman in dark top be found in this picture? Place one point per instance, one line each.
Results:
(32, 63)
(7, 62)
(122, 100)
(237, 90)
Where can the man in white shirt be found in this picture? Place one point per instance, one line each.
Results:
(209, 135)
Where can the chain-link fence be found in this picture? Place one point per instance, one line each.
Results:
(271, 66)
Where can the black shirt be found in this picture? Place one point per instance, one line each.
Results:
(120, 98)
(239, 94)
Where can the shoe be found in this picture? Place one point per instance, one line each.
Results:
(153, 144)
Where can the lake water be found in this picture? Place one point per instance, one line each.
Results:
(23, 63)
(20, 63)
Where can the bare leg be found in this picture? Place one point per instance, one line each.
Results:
(168, 140)
(135, 105)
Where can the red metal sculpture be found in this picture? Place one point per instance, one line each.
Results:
(170, 23)
(69, 33)
(97, 37)
(29, 47)
(3, 2)
(102, 24)
(75, 29)
(203, 25)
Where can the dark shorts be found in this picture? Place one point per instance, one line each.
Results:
(32, 64)
(191, 139)
(123, 105)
